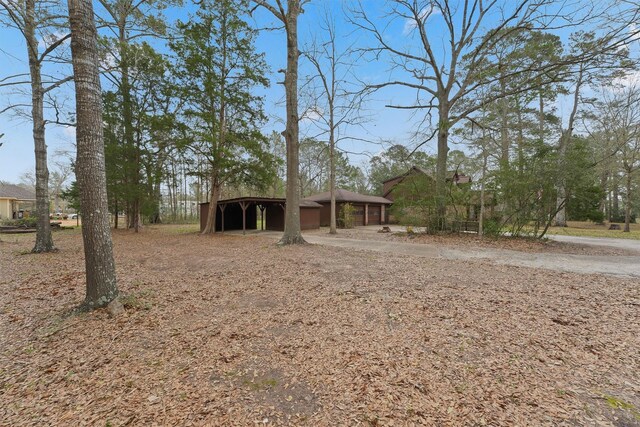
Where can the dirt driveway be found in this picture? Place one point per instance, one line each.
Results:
(615, 265)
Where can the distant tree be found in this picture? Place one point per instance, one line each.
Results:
(591, 70)
(38, 22)
(71, 195)
(446, 81)
(620, 123)
(279, 154)
(134, 172)
(218, 70)
(316, 169)
(123, 53)
(90, 166)
(336, 102)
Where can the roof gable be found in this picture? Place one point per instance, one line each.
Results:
(12, 191)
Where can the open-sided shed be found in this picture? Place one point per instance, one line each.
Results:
(243, 213)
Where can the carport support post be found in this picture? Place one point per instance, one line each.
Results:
(262, 208)
(222, 208)
(244, 206)
(382, 214)
(366, 214)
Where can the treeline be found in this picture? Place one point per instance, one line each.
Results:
(542, 106)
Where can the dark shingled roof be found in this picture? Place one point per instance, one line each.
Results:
(309, 204)
(11, 191)
(348, 196)
(303, 203)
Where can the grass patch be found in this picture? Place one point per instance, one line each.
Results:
(137, 301)
(589, 229)
(260, 384)
(616, 403)
(180, 228)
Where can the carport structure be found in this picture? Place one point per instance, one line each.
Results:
(241, 213)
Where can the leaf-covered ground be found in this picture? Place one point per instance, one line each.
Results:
(232, 330)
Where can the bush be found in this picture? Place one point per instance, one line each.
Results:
(619, 217)
(596, 217)
(24, 222)
(346, 219)
(491, 227)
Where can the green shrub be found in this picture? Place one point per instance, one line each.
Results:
(346, 219)
(24, 222)
(491, 227)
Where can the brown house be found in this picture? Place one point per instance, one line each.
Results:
(369, 210)
(390, 184)
(243, 213)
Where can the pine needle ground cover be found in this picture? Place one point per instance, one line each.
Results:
(233, 330)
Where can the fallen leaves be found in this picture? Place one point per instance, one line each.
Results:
(231, 330)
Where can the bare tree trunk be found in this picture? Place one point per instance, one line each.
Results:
(482, 193)
(603, 185)
(115, 219)
(441, 164)
(565, 139)
(44, 240)
(292, 233)
(210, 227)
(615, 202)
(627, 204)
(90, 162)
(332, 169)
(504, 127)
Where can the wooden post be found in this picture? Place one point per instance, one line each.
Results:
(383, 214)
(222, 208)
(262, 209)
(244, 206)
(366, 214)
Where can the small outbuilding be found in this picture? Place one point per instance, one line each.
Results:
(253, 213)
(369, 210)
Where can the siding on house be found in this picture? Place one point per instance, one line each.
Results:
(369, 210)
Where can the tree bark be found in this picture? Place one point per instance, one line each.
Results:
(565, 139)
(210, 227)
(44, 240)
(292, 233)
(101, 287)
(441, 165)
(627, 204)
(332, 168)
(482, 192)
(132, 162)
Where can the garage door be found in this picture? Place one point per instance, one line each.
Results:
(358, 214)
(374, 215)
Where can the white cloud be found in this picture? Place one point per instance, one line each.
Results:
(69, 131)
(634, 32)
(411, 24)
(49, 39)
(631, 79)
(313, 114)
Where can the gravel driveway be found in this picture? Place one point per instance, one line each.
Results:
(625, 266)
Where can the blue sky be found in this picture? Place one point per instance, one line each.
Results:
(17, 157)
(383, 127)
